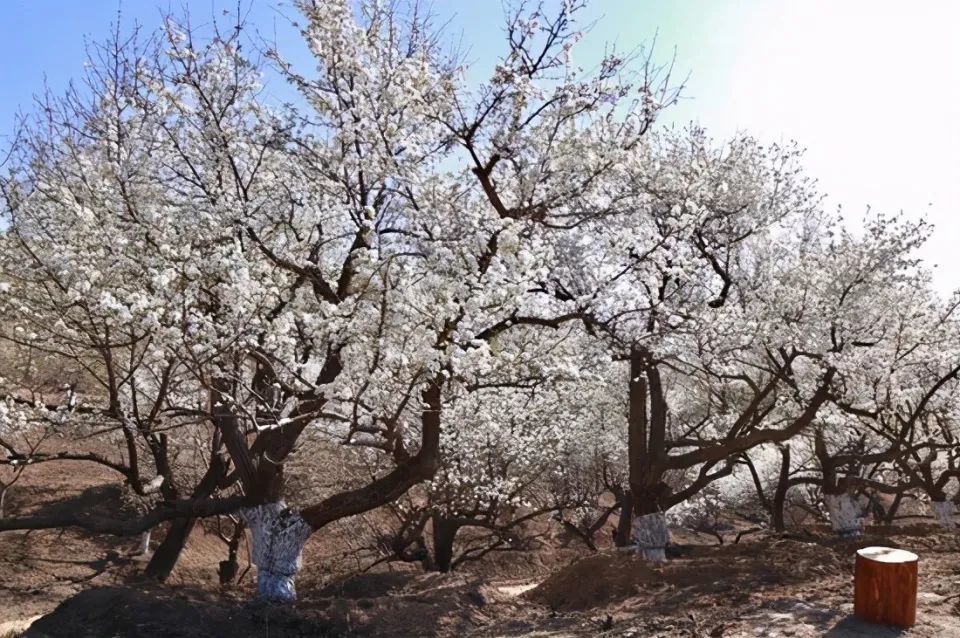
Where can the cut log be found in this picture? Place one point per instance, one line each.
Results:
(885, 586)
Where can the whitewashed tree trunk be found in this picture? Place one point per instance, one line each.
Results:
(279, 534)
(845, 514)
(651, 535)
(144, 543)
(944, 511)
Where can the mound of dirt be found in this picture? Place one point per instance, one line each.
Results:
(726, 573)
(357, 586)
(126, 612)
(595, 581)
(376, 605)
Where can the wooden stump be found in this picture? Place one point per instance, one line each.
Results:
(885, 586)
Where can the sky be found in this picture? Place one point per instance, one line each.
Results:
(870, 88)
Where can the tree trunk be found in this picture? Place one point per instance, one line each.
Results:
(646, 449)
(844, 511)
(780, 496)
(944, 511)
(279, 534)
(885, 586)
(444, 533)
(757, 482)
(167, 554)
(842, 507)
(228, 569)
(144, 548)
(651, 536)
(622, 537)
(891, 513)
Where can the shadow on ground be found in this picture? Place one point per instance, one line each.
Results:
(851, 627)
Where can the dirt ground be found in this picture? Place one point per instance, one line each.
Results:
(84, 585)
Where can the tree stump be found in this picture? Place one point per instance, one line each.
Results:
(885, 586)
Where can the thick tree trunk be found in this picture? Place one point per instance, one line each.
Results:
(842, 507)
(167, 554)
(780, 496)
(647, 448)
(651, 535)
(278, 534)
(944, 511)
(844, 511)
(622, 537)
(444, 534)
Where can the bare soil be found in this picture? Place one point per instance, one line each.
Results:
(87, 585)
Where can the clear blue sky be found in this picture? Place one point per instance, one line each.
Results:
(870, 87)
(45, 38)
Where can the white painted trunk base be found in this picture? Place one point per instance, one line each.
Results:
(944, 511)
(278, 537)
(651, 535)
(144, 543)
(845, 514)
